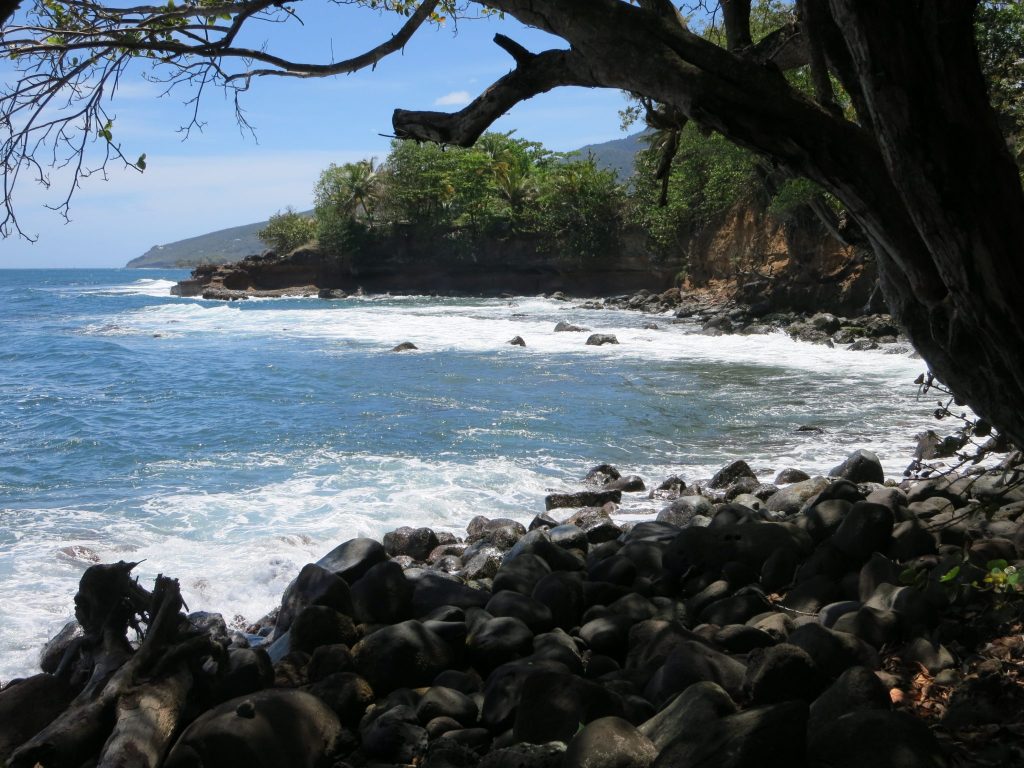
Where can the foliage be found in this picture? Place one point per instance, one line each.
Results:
(288, 230)
(999, 30)
(346, 197)
(792, 195)
(502, 185)
(708, 176)
(580, 206)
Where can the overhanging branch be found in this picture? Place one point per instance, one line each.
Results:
(534, 74)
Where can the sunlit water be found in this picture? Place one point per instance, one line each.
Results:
(228, 444)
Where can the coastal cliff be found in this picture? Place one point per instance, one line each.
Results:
(747, 253)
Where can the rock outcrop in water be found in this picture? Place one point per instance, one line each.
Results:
(835, 622)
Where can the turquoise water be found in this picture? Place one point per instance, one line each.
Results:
(227, 444)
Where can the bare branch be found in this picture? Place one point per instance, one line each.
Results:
(71, 55)
(534, 74)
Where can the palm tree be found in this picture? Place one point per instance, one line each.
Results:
(360, 184)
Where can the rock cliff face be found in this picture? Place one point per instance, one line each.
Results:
(753, 256)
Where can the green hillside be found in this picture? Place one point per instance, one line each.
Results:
(218, 247)
(234, 244)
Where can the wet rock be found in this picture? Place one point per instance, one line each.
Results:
(353, 558)
(402, 655)
(417, 543)
(314, 585)
(405, 346)
(599, 339)
(861, 466)
(383, 595)
(671, 488)
(431, 591)
(791, 499)
(347, 694)
(564, 327)
(495, 641)
(627, 484)
(521, 574)
(681, 512)
(249, 670)
(569, 537)
(534, 614)
(609, 742)
(319, 625)
(824, 518)
(517, 341)
(328, 660)
(484, 564)
(581, 499)
(865, 529)
(563, 596)
(729, 474)
(264, 730)
(749, 544)
(537, 542)
(331, 293)
(608, 635)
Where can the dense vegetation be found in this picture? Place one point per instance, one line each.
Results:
(508, 187)
(462, 198)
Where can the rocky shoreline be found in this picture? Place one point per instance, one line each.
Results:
(836, 621)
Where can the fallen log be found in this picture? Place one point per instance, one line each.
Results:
(131, 706)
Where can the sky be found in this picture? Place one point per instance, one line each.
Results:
(223, 177)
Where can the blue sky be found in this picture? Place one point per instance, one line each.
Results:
(221, 177)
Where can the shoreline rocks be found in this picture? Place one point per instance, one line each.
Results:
(789, 630)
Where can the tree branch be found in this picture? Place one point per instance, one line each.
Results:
(737, 24)
(534, 74)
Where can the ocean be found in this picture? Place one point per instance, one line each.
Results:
(229, 444)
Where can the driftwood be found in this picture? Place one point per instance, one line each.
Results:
(130, 702)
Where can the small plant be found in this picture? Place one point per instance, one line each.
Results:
(1002, 578)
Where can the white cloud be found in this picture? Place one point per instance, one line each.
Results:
(453, 99)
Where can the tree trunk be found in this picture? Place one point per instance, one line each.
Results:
(925, 171)
(941, 144)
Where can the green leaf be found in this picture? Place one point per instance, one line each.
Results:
(997, 565)
(951, 574)
(908, 576)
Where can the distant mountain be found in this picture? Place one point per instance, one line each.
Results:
(220, 247)
(617, 154)
(228, 245)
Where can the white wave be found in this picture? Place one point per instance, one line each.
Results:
(486, 326)
(147, 286)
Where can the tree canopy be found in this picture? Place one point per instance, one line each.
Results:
(891, 115)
